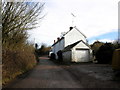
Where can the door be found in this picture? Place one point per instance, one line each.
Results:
(82, 55)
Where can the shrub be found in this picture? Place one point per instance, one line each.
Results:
(43, 50)
(52, 56)
(95, 46)
(60, 57)
(104, 54)
(16, 62)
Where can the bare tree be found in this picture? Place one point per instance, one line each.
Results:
(17, 18)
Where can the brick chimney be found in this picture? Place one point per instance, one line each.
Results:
(58, 39)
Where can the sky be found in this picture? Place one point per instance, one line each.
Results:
(97, 19)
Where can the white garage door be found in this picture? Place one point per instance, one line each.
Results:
(82, 55)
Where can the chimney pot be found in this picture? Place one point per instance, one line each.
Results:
(58, 39)
(71, 28)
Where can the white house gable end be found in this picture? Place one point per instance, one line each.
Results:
(73, 36)
(81, 45)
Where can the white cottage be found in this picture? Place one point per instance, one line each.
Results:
(74, 46)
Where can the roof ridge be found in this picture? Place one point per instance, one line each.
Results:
(80, 31)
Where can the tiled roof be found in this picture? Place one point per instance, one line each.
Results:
(58, 41)
(69, 47)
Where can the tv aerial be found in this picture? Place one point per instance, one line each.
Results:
(73, 17)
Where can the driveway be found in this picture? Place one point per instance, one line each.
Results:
(48, 74)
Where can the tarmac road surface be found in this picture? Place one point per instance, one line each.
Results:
(48, 74)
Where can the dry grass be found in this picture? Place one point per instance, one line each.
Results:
(16, 62)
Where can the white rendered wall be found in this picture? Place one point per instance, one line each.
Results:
(73, 36)
(58, 46)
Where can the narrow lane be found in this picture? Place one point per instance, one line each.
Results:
(50, 75)
(47, 75)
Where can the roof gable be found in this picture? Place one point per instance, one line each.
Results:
(69, 47)
(76, 29)
(86, 44)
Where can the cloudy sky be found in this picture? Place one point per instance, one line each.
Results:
(97, 19)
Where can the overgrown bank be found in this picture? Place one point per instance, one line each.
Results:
(17, 53)
(16, 62)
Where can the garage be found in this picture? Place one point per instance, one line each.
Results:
(77, 52)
